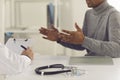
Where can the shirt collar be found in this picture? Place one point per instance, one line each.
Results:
(99, 9)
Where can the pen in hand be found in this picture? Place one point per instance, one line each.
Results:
(24, 47)
(28, 52)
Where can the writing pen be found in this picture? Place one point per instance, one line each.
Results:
(14, 40)
(23, 47)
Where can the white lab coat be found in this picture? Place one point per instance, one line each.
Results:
(12, 63)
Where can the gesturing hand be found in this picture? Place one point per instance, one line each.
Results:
(50, 34)
(73, 37)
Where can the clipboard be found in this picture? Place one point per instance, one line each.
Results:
(14, 44)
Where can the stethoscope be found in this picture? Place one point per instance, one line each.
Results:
(40, 72)
(75, 71)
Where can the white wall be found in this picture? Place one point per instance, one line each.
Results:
(115, 3)
(2, 77)
(79, 9)
(2, 21)
(65, 14)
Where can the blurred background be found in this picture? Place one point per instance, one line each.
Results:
(23, 18)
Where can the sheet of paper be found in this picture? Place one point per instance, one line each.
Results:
(15, 44)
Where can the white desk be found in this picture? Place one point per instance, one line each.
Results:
(93, 72)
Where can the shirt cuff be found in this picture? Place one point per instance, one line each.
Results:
(27, 59)
(87, 42)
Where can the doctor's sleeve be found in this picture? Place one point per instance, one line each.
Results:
(12, 63)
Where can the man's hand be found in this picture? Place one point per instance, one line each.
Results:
(28, 52)
(73, 37)
(50, 34)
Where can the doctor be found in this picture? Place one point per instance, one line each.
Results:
(12, 63)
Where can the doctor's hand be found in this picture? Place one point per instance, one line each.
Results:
(28, 52)
(73, 37)
(50, 34)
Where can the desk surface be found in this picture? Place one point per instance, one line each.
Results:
(93, 72)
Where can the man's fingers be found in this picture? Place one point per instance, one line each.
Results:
(66, 31)
(64, 37)
(44, 31)
(61, 35)
(52, 27)
(77, 27)
(45, 37)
